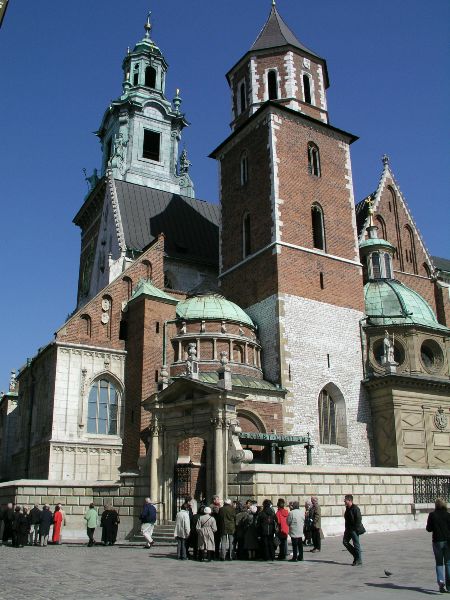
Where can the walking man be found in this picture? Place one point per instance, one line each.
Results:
(148, 520)
(353, 529)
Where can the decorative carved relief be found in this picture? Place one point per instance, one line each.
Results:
(440, 419)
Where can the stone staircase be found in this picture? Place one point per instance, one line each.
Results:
(162, 535)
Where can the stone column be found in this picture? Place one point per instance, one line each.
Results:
(218, 456)
(154, 480)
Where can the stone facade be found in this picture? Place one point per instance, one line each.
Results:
(385, 496)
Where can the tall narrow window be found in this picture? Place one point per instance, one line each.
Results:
(244, 168)
(128, 284)
(426, 270)
(327, 419)
(150, 77)
(246, 235)
(387, 266)
(376, 266)
(411, 248)
(382, 226)
(307, 88)
(136, 75)
(313, 160)
(152, 142)
(242, 97)
(103, 407)
(318, 227)
(108, 149)
(87, 329)
(272, 85)
(148, 268)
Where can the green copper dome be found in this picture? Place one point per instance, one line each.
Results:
(374, 242)
(211, 307)
(392, 303)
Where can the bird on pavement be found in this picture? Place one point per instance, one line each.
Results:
(387, 573)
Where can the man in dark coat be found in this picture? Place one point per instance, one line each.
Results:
(109, 522)
(353, 529)
(266, 525)
(34, 517)
(226, 521)
(8, 519)
(45, 521)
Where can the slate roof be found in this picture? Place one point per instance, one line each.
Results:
(241, 381)
(191, 226)
(443, 264)
(276, 33)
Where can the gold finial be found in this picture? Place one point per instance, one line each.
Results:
(274, 3)
(177, 92)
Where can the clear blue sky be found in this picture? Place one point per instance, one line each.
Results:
(60, 65)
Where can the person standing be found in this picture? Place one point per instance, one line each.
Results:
(353, 529)
(438, 524)
(307, 528)
(45, 520)
(34, 517)
(91, 518)
(206, 528)
(251, 532)
(295, 521)
(8, 520)
(283, 528)
(226, 519)
(215, 507)
(148, 520)
(63, 522)
(57, 525)
(316, 531)
(266, 529)
(182, 530)
(109, 522)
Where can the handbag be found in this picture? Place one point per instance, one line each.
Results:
(276, 540)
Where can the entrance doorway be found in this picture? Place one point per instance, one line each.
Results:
(190, 472)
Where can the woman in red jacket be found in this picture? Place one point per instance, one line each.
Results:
(283, 528)
(57, 524)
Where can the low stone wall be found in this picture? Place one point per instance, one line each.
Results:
(385, 495)
(126, 496)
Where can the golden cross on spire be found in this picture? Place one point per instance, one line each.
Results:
(370, 203)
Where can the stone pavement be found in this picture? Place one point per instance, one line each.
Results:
(127, 571)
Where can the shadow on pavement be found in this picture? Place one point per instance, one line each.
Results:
(394, 586)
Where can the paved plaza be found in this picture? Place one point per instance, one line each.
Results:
(75, 571)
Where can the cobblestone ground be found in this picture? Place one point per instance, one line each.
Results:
(71, 571)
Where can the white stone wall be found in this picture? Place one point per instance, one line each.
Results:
(316, 335)
(265, 315)
(76, 454)
(384, 495)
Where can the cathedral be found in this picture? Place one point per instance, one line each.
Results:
(287, 325)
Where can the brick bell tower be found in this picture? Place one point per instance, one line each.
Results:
(289, 251)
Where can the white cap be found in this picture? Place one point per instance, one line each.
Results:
(207, 510)
(227, 501)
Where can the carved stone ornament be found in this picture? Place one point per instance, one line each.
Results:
(306, 63)
(440, 419)
(105, 318)
(106, 304)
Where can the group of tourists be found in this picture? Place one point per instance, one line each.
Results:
(31, 527)
(21, 526)
(232, 530)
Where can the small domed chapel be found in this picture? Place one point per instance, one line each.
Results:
(214, 345)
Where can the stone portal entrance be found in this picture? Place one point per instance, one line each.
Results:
(187, 410)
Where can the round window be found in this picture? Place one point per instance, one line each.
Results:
(378, 352)
(431, 356)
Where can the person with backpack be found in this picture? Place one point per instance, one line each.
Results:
(148, 520)
(267, 525)
(353, 529)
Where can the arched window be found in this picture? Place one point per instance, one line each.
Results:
(318, 227)
(246, 236)
(136, 75)
(387, 266)
(150, 77)
(244, 168)
(332, 418)
(307, 88)
(272, 85)
(128, 283)
(410, 251)
(376, 265)
(148, 269)
(87, 328)
(426, 270)
(238, 353)
(313, 160)
(381, 225)
(103, 408)
(242, 97)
